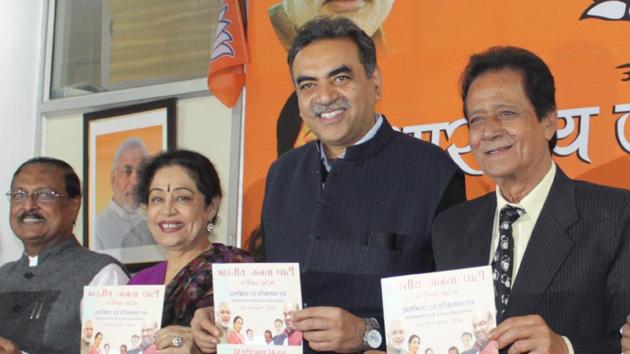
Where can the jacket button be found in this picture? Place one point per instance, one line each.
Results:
(28, 275)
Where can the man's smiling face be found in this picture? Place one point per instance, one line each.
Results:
(335, 95)
(42, 223)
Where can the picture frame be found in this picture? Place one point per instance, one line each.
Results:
(115, 142)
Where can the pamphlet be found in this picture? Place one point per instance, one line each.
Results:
(119, 319)
(440, 312)
(254, 304)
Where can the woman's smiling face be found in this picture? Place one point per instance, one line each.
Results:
(176, 210)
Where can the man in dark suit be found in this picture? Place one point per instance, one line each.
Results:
(560, 249)
(357, 204)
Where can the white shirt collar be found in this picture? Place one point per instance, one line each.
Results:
(369, 135)
(534, 201)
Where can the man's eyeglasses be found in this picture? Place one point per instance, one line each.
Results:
(43, 196)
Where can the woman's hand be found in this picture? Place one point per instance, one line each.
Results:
(166, 340)
(205, 331)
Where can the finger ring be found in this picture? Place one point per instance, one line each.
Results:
(177, 341)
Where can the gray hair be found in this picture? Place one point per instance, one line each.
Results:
(321, 28)
(131, 143)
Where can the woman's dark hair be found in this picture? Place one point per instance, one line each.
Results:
(411, 338)
(236, 318)
(198, 167)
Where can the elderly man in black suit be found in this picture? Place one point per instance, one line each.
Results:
(559, 248)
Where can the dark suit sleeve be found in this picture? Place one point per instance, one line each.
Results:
(445, 239)
(454, 193)
(260, 231)
(618, 293)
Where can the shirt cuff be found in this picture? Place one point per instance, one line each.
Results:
(111, 274)
(569, 345)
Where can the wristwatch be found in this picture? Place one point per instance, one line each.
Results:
(372, 338)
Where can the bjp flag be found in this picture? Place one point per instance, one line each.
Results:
(226, 72)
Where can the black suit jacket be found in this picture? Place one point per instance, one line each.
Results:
(575, 272)
(372, 219)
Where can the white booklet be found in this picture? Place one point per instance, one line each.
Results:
(254, 304)
(117, 317)
(440, 312)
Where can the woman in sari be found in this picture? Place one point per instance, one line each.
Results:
(235, 336)
(98, 338)
(414, 344)
(182, 193)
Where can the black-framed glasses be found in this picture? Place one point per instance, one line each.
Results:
(43, 196)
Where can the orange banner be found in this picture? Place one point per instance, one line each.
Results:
(226, 74)
(423, 47)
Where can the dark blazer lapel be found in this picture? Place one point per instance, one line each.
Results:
(475, 243)
(548, 246)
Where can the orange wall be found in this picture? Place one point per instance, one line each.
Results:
(427, 45)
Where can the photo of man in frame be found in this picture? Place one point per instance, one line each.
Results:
(123, 224)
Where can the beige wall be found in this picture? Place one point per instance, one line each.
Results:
(21, 38)
(203, 124)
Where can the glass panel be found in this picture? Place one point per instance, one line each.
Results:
(104, 45)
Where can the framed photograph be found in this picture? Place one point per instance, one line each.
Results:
(116, 141)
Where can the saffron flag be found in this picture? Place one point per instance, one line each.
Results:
(226, 72)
